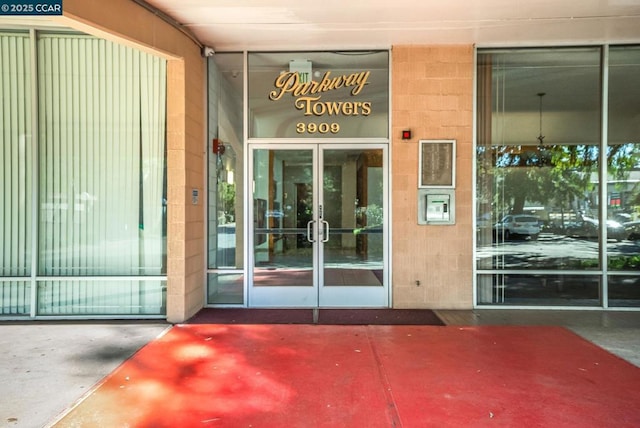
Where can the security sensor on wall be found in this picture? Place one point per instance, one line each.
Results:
(207, 51)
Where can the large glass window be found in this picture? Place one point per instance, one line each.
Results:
(538, 165)
(558, 199)
(623, 183)
(102, 151)
(92, 161)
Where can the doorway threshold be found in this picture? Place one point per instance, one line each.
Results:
(347, 316)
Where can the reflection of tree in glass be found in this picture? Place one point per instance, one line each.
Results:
(621, 160)
(369, 217)
(227, 200)
(560, 177)
(555, 175)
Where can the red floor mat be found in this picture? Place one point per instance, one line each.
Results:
(365, 376)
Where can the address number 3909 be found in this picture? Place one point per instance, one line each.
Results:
(317, 128)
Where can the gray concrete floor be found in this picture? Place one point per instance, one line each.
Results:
(47, 367)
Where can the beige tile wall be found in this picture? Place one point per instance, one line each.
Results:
(125, 22)
(432, 94)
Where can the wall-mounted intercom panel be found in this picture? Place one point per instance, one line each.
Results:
(436, 206)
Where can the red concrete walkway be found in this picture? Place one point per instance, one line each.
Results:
(365, 376)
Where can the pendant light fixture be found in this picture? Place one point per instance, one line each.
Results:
(543, 158)
(541, 137)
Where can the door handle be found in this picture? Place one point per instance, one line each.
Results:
(309, 232)
(325, 232)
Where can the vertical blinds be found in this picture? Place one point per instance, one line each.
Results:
(15, 156)
(101, 141)
(100, 169)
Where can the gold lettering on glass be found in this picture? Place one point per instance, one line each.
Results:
(308, 98)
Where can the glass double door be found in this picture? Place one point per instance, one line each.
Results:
(318, 226)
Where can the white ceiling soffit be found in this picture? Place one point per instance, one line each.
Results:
(229, 25)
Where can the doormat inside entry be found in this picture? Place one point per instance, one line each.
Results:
(322, 316)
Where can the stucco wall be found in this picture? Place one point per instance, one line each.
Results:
(432, 94)
(125, 22)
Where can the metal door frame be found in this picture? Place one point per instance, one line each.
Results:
(316, 296)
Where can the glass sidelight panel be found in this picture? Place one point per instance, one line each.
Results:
(225, 198)
(352, 221)
(283, 218)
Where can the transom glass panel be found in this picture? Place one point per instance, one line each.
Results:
(319, 94)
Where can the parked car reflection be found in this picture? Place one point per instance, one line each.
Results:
(517, 225)
(275, 214)
(588, 228)
(632, 230)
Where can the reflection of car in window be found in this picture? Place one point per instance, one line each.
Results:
(588, 228)
(632, 230)
(484, 221)
(517, 225)
(275, 214)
